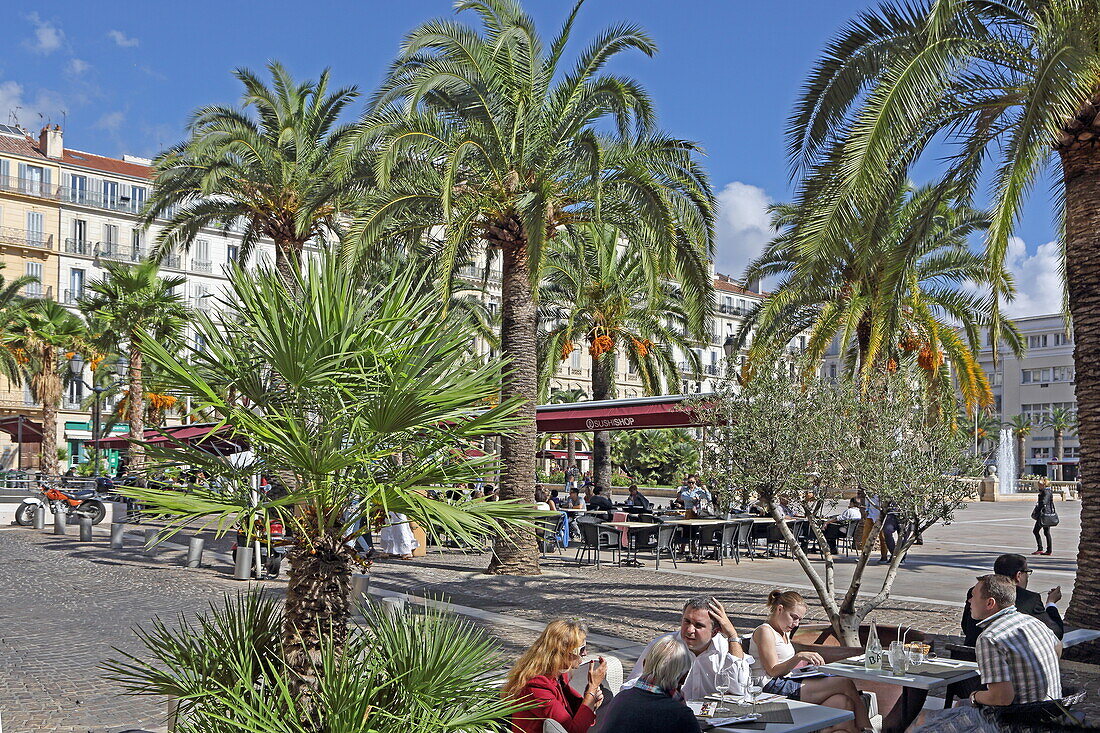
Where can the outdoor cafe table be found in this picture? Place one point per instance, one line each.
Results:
(695, 526)
(915, 684)
(805, 718)
(632, 529)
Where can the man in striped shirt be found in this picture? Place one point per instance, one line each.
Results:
(1017, 659)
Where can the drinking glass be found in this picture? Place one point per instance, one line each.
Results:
(898, 658)
(754, 688)
(723, 679)
(917, 654)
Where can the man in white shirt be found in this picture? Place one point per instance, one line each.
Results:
(837, 527)
(711, 637)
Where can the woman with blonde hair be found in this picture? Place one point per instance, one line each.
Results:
(538, 680)
(775, 657)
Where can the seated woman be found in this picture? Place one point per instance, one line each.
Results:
(775, 658)
(538, 679)
(653, 704)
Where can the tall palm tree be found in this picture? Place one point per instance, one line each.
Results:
(1059, 420)
(561, 397)
(1021, 427)
(487, 141)
(44, 332)
(129, 304)
(12, 307)
(1015, 85)
(596, 291)
(270, 164)
(892, 294)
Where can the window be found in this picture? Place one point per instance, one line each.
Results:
(34, 289)
(1062, 374)
(33, 179)
(1037, 412)
(1035, 376)
(137, 197)
(575, 359)
(997, 380)
(110, 233)
(200, 262)
(110, 194)
(1061, 339)
(832, 371)
(137, 244)
(1041, 453)
(80, 231)
(1071, 451)
(75, 393)
(1037, 342)
(36, 229)
(233, 253)
(78, 189)
(76, 285)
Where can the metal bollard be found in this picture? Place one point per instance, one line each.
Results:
(40, 518)
(360, 586)
(118, 536)
(85, 529)
(150, 549)
(58, 523)
(394, 605)
(242, 565)
(194, 552)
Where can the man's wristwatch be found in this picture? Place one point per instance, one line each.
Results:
(972, 700)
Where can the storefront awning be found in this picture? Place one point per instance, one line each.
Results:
(643, 413)
(21, 428)
(562, 454)
(194, 434)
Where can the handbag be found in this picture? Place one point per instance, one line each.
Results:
(1048, 517)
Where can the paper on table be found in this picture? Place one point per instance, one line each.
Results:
(719, 722)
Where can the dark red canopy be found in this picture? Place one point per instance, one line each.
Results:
(642, 413)
(21, 428)
(194, 433)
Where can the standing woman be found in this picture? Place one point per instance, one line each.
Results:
(1045, 516)
(538, 679)
(775, 657)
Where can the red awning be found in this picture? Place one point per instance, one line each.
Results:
(193, 434)
(562, 454)
(21, 427)
(631, 414)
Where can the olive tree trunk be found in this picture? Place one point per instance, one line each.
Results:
(1081, 174)
(516, 553)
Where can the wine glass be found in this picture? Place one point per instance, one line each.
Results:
(754, 688)
(723, 679)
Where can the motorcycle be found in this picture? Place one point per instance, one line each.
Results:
(71, 503)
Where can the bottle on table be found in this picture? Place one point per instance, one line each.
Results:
(872, 657)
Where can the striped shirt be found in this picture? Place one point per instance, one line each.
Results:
(1018, 648)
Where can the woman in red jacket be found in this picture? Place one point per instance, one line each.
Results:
(538, 681)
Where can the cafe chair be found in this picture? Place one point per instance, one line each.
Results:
(597, 538)
(666, 536)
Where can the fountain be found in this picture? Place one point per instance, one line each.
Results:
(1006, 462)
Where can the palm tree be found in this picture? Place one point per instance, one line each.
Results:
(275, 171)
(1059, 420)
(1021, 426)
(362, 397)
(130, 304)
(44, 332)
(481, 139)
(561, 397)
(595, 291)
(892, 294)
(1014, 85)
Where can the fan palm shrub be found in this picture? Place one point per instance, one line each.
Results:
(487, 140)
(403, 673)
(596, 293)
(1014, 86)
(1021, 427)
(1060, 420)
(363, 398)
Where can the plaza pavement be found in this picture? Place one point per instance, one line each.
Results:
(64, 605)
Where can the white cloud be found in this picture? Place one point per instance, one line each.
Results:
(743, 227)
(32, 113)
(47, 36)
(110, 121)
(122, 39)
(77, 67)
(1038, 279)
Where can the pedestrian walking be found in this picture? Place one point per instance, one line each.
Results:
(1045, 517)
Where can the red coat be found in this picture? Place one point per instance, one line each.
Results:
(555, 700)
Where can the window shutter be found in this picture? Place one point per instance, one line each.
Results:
(47, 173)
(23, 171)
(5, 171)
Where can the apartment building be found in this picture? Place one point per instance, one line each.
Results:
(1035, 384)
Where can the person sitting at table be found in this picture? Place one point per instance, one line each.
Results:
(712, 639)
(539, 678)
(653, 704)
(635, 500)
(554, 500)
(1017, 660)
(490, 493)
(599, 502)
(1014, 567)
(574, 500)
(785, 509)
(696, 497)
(837, 527)
(775, 658)
(541, 499)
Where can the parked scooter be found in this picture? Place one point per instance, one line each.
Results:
(70, 503)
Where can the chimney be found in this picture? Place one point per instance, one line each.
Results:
(753, 285)
(49, 140)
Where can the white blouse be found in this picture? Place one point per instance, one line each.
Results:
(784, 650)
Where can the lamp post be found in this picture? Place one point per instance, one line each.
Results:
(76, 368)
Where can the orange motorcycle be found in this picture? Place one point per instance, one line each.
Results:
(70, 503)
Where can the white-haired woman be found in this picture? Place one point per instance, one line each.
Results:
(654, 704)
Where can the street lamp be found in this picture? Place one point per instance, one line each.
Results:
(76, 368)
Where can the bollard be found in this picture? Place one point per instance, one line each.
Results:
(119, 512)
(150, 549)
(194, 552)
(394, 605)
(360, 586)
(242, 564)
(40, 517)
(118, 536)
(85, 529)
(58, 523)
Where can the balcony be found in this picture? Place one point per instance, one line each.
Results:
(471, 272)
(172, 262)
(23, 238)
(79, 246)
(204, 303)
(116, 201)
(732, 310)
(72, 297)
(712, 369)
(29, 187)
(37, 290)
(118, 252)
(201, 265)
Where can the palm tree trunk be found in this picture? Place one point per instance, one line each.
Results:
(135, 407)
(1081, 175)
(50, 396)
(316, 614)
(1020, 465)
(602, 381)
(517, 553)
(1059, 453)
(570, 451)
(288, 262)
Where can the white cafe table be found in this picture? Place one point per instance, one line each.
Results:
(805, 718)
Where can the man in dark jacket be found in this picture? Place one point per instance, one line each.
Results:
(599, 502)
(1015, 567)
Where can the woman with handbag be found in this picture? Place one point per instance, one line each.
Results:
(1045, 516)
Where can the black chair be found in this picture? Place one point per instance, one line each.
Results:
(743, 540)
(547, 531)
(728, 542)
(666, 539)
(597, 538)
(711, 537)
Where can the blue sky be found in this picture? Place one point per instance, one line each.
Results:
(128, 74)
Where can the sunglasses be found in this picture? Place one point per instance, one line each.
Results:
(582, 651)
